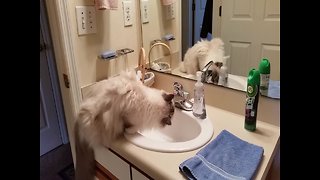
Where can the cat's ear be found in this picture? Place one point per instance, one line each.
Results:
(218, 64)
(167, 97)
(166, 121)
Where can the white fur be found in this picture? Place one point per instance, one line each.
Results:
(202, 53)
(118, 101)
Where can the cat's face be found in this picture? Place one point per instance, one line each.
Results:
(168, 109)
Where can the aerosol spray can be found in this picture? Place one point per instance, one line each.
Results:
(252, 99)
(264, 69)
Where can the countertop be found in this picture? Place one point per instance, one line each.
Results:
(160, 165)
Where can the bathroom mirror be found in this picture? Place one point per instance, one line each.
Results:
(249, 29)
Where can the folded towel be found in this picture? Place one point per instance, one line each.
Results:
(226, 157)
(106, 4)
(274, 89)
(167, 2)
(108, 54)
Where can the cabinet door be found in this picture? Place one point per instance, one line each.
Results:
(112, 163)
(103, 174)
(136, 175)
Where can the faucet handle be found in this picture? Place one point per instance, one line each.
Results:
(177, 89)
(185, 95)
(177, 86)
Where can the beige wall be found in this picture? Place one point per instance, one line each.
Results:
(111, 34)
(159, 25)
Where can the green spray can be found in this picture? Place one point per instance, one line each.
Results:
(252, 99)
(264, 68)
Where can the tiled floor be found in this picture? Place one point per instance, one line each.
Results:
(54, 161)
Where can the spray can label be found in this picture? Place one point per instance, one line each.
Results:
(264, 83)
(251, 104)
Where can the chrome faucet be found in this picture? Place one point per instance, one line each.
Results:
(206, 73)
(160, 66)
(181, 97)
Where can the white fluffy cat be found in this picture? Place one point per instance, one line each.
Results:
(115, 105)
(201, 54)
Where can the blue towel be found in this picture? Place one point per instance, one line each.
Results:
(274, 89)
(226, 157)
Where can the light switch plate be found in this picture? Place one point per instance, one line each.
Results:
(86, 19)
(127, 13)
(145, 11)
(170, 11)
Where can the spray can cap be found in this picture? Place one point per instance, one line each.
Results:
(253, 82)
(199, 73)
(264, 66)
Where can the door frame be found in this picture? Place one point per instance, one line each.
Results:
(58, 18)
(187, 23)
(53, 74)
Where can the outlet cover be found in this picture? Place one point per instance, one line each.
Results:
(170, 11)
(145, 11)
(127, 13)
(86, 19)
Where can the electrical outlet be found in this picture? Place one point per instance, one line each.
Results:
(170, 11)
(145, 11)
(86, 19)
(127, 13)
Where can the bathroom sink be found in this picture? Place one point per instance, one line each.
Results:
(185, 134)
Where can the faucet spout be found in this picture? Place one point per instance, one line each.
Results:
(181, 97)
(160, 66)
(206, 73)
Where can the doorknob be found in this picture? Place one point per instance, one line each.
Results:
(42, 47)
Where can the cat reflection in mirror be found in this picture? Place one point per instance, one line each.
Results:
(114, 106)
(199, 55)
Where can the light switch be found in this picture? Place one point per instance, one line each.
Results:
(145, 11)
(127, 13)
(86, 19)
(170, 11)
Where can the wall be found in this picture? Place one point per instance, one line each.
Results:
(111, 34)
(159, 25)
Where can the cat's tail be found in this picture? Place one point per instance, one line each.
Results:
(86, 136)
(85, 164)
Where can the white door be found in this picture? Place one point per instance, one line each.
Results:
(49, 127)
(251, 30)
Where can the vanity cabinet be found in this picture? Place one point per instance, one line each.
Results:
(136, 175)
(110, 166)
(102, 173)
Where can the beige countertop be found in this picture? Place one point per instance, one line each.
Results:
(160, 165)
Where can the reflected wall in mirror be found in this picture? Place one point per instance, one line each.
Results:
(249, 29)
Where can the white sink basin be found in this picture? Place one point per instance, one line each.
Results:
(185, 134)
